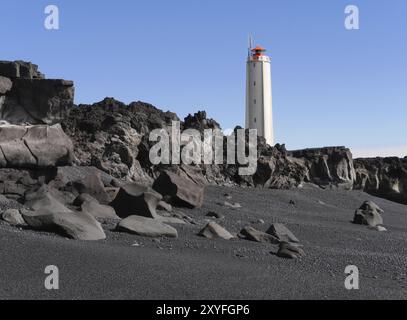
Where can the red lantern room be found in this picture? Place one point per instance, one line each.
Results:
(257, 52)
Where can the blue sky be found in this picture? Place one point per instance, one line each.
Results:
(331, 86)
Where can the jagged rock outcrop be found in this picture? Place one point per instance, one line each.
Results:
(328, 166)
(20, 69)
(114, 137)
(383, 177)
(32, 99)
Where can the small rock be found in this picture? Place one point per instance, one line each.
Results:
(214, 214)
(146, 227)
(13, 217)
(292, 202)
(282, 233)
(252, 234)
(380, 228)
(234, 205)
(227, 196)
(170, 220)
(213, 230)
(290, 251)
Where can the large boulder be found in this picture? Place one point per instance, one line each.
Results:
(47, 197)
(34, 146)
(72, 224)
(89, 204)
(146, 227)
(183, 191)
(135, 199)
(93, 185)
(369, 214)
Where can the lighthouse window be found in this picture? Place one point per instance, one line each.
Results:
(254, 101)
(254, 83)
(255, 120)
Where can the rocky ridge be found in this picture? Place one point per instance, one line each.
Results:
(65, 164)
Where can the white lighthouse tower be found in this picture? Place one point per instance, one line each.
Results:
(259, 107)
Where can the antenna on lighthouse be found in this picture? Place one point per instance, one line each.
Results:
(250, 43)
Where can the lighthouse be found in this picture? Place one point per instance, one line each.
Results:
(259, 107)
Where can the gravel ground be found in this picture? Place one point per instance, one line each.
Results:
(125, 266)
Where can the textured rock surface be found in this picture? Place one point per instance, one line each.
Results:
(34, 146)
(383, 177)
(20, 69)
(146, 227)
(328, 166)
(31, 98)
(13, 217)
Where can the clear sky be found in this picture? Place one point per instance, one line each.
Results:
(331, 86)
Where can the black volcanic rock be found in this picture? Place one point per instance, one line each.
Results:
(134, 199)
(20, 69)
(383, 177)
(328, 166)
(31, 98)
(114, 137)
